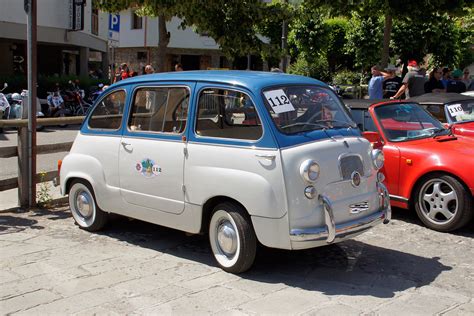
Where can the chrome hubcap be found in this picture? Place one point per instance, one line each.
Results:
(439, 201)
(83, 204)
(227, 238)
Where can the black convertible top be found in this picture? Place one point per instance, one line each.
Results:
(440, 98)
(362, 103)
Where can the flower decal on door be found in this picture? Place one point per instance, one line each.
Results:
(148, 168)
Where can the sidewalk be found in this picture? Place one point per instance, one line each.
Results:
(48, 266)
(9, 198)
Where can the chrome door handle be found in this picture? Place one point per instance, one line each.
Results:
(266, 156)
(124, 144)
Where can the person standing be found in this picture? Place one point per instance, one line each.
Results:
(392, 83)
(413, 83)
(149, 69)
(434, 83)
(376, 83)
(466, 79)
(456, 85)
(446, 77)
(125, 73)
(178, 67)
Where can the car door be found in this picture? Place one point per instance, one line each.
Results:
(152, 147)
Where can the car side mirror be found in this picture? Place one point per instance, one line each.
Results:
(374, 138)
(446, 125)
(5, 85)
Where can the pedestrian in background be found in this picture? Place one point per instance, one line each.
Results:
(117, 75)
(125, 73)
(456, 85)
(413, 83)
(392, 83)
(178, 67)
(149, 69)
(376, 83)
(466, 78)
(434, 83)
(446, 77)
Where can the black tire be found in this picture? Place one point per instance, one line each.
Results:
(84, 208)
(442, 203)
(230, 227)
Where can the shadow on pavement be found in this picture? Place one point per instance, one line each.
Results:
(409, 216)
(14, 224)
(348, 268)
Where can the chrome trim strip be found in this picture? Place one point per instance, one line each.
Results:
(328, 218)
(341, 230)
(233, 146)
(398, 198)
(386, 202)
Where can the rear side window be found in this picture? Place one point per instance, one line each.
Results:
(159, 109)
(108, 113)
(227, 114)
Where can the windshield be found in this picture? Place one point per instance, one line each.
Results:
(462, 111)
(296, 109)
(406, 121)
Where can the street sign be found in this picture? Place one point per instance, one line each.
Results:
(114, 27)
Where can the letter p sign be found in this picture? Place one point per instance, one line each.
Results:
(114, 22)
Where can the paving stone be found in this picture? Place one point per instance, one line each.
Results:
(284, 302)
(27, 300)
(463, 309)
(332, 308)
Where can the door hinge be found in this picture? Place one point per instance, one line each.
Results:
(183, 187)
(185, 151)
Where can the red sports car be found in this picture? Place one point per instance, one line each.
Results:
(453, 109)
(426, 166)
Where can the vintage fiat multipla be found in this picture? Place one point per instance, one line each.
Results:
(244, 156)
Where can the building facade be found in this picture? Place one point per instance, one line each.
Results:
(137, 44)
(60, 50)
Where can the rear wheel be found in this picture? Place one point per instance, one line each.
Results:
(442, 203)
(232, 238)
(84, 207)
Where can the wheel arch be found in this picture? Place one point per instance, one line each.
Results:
(430, 174)
(209, 206)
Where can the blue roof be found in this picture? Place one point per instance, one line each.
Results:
(244, 78)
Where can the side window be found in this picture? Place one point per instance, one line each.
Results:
(108, 113)
(227, 114)
(159, 109)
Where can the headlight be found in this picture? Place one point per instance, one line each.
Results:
(309, 170)
(377, 158)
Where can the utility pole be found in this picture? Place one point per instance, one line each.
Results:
(31, 9)
(284, 44)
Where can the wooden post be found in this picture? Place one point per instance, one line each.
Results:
(23, 170)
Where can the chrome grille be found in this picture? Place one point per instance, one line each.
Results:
(349, 164)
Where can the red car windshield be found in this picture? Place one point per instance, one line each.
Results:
(406, 121)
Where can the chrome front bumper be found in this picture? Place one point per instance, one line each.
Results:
(331, 231)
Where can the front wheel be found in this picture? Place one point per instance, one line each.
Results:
(442, 203)
(232, 238)
(84, 208)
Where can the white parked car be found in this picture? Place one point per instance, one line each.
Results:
(246, 157)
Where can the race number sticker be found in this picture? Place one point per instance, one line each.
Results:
(455, 109)
(279, 101)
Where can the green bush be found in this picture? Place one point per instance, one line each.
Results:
(346, 77)
(318, 69)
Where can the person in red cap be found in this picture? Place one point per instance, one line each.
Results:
(413, 83)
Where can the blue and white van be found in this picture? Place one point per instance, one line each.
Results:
(245, 157)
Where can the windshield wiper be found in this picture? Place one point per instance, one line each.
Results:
(344, 124)
(440, 131)
(321, 126)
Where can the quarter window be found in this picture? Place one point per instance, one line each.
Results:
(227, 114)
(108, 112)
(160, 109)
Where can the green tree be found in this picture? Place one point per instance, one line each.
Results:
(391, 10)
(232, 24)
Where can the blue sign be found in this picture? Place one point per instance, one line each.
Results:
(114, 22)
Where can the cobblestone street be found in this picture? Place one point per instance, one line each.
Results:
(50, 266)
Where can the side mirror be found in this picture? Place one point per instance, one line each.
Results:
(374, 138)
(446, 125)
(5, 85)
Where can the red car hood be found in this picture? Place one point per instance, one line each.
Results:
(465, 129)
(450, 145)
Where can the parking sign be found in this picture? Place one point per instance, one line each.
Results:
(114, 22)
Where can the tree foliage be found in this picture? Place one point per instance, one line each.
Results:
(234, 25)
